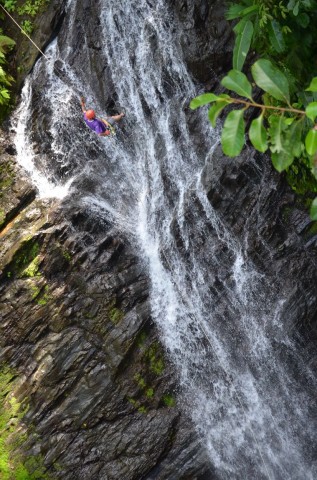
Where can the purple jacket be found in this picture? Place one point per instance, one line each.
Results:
(96, 125)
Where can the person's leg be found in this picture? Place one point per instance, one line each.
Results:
(116, 118)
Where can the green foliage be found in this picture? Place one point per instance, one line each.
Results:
(271, 80)
(258, 135)
(155, 358)
(232, 138)
(43, 296)
(169, 400)
(302, 180)
(27, 26)
(286, 131)
(284, 30)
(24, 257)
(149, 392)
(9, 5)
(28, 10)
(216, 109)
(237, 82)
(244, 32)
(67, 255)
(114, 313)
(6, 44)
(140, 380)
(32, 270)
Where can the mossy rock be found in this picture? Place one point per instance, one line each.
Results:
(14, 465)
(7, 176)
(24, 257)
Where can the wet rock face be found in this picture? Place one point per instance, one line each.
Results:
(206, 38)
(256, 203)
(75, 325)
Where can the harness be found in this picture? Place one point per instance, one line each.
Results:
(109, 126)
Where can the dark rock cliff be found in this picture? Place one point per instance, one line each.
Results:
(76, 326)
(206, 38)
(75, 320)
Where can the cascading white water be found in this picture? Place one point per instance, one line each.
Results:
(252, 411)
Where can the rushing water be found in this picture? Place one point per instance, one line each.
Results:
(246, 395)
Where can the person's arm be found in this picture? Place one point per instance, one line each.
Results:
(83, 105)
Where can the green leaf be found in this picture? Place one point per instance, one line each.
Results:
(311, 111)
(295, 137)
(249, 10)
(4, 93)
(313, 85)
(276, 36)
(232, 138)
(285, 141)
(296, 9)
(238, 82)
(6, 42)
(275, 132)
(271, 79)
(291, 5)
(258, 135)
(215, 111)
(236, 11)
(303, 20)
(242, 45)
(203, 100)
(281, 160)
(313, 209)
(311, 142)
(239, 26)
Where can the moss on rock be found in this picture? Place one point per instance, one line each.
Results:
(14, 465)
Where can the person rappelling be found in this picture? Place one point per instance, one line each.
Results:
(101, 126)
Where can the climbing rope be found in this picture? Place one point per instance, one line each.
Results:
(23, 31)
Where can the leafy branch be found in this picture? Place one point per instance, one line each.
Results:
(6, 44)
(282, 29)
(286, 130)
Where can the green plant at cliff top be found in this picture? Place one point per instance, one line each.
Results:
(284, 30)
(284, 121)
(27, 9)
(285, 128)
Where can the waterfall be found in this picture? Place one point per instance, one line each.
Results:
(241, 379)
